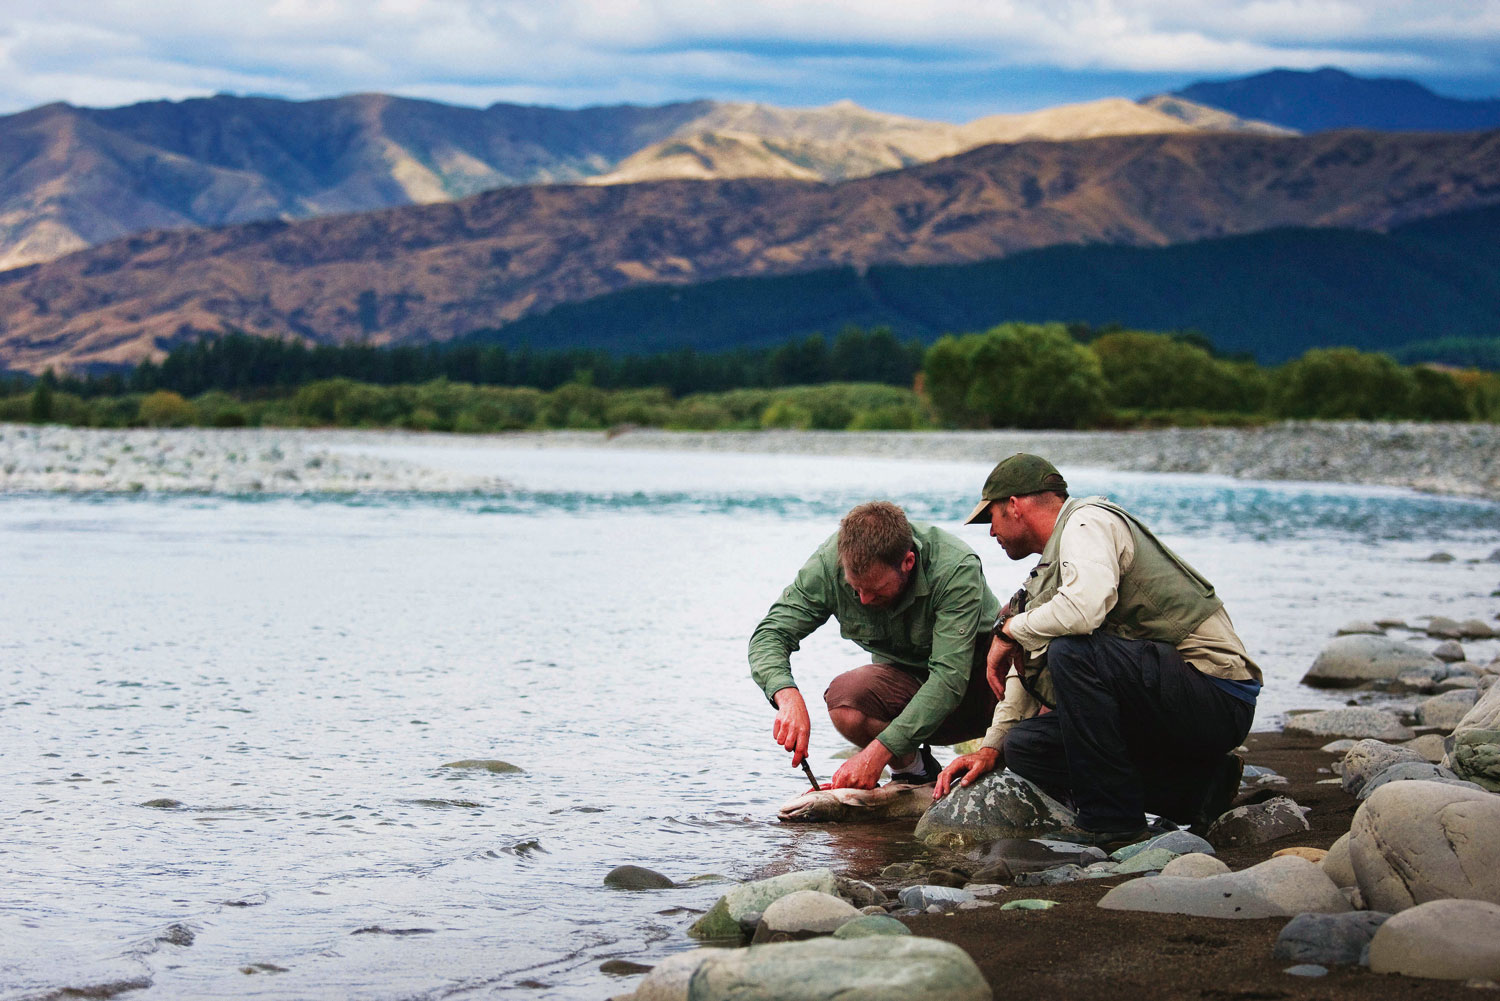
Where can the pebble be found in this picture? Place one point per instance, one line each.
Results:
(1029, 904)
(1307, 970)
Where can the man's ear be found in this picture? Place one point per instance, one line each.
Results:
(909, 561)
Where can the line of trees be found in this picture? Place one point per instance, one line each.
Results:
(1013, 375)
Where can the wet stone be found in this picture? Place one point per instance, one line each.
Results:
(1021, 855)
(1442, 627)
(1359, 628)
(1448, 651)
(490, 765)
(1363, 660)
(1051, 877)
(634, 877)
(870, 925)
(999, 805)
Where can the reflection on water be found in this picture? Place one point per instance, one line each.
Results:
(225, 722)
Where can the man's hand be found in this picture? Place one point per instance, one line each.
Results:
(793, 727)
(969, 766)
(863, 770)
(997, 663)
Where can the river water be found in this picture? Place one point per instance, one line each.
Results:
(283, 680)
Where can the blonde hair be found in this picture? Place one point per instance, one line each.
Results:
(877, 532)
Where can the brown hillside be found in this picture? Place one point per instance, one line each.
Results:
(432, 272)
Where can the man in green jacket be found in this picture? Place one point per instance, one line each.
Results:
(914, 598)
(1125, 686)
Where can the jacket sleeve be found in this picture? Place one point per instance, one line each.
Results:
(804, 606)
(1094, 548)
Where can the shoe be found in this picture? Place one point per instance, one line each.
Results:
(1220, 794)
(1109, 841)
(930, 770)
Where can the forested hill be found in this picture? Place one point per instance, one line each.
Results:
(1272, 294)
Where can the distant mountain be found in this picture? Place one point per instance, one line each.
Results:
(1273, 294)
(1318, 100)
(432, 272)
(774, 143)
(74, 177)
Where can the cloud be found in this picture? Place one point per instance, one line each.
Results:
(886, 53)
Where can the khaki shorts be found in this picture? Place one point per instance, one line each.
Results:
(881, 692)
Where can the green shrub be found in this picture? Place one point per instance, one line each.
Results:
(783, 413)
(887, 418)
(1015, 375)
(1342, 383)
(1145, 371)
(1436, 396)
(363, 405)
(317, 402)
(166, 409)
(575, 405)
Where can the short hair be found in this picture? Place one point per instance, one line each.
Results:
(877, 532)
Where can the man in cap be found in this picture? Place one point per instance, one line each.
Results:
(914, 598)
(1148, 686)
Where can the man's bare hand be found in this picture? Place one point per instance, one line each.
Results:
(863, 770)
(793, 727)
(997, 663)
(966, 768)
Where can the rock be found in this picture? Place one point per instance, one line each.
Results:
(1475, 753)
(1476, 629)
(1311, 854)
(1340, 746)
(945, 897)
(1440, 940)
(1257, 823)
(1429, 746)
(1412, 842)
(1336, 864)
(1278, 887)
(723, 919)
(1408, 771)
(1447, 710)
(1194, 865)
(669, 979)
(1355, 898)
(802, 914)
(881, 968)
(1150, 860)
(623, 968)
(999, 805)
(1351, 721)
(485, 765)
(1392, 624)
(1440, 557)
(1360, 629)
(1367, 759)
(634, 877)
(1442, 627)
(1004, 860)
(860, 893)
(1176, 842)
(1329, 939)
(1351, 661)
(985, 889)
(1051, 877)
(871, 924)
(1306, 970)
(1414, 682)
(945, 877)
(903, 870)
(1029, 904)
(1459, 682)
(1448, 651)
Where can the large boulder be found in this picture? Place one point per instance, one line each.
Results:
(1412, 842)
(883, 968)
(1368, 758)
(1363, 660)
(1441, 940)
(1351, 721)
(1336, 864)
(1475, 754)
(723, 920)
(999, 805)
(1278, 887)
(669, 979)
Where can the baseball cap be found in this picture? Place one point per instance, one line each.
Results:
(1017, 476)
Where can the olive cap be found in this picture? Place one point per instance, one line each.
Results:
(1017, 476)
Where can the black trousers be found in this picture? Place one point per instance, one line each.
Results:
(1136, 728)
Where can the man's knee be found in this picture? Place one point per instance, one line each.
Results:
(1066, 654)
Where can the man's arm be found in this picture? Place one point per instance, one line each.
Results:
(804, 606)
(1094, 547)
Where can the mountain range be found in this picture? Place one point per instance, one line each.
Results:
(431, 272)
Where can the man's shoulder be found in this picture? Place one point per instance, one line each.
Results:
(939, 546)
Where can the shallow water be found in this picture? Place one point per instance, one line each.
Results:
(285, 679)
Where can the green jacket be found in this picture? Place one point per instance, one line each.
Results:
(929, 632)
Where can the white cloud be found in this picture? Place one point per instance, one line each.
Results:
(591, 51)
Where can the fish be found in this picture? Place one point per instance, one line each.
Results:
(893, 801)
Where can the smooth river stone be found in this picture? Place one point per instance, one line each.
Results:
(1195, 865)
(1413, 842)
(803, 914)
(1336, 864)
(1409, 771)
(1351, 661)
(1000, 805)
(869, 925)
(669, 979)
(1476, 742)
(485, 765)
(1440, 940)
(1367, 759)
(1351, 721)
(634, 877)
(882, 968)
(723, 920)
(1278, 887)
(1447, 710)
(1258, 823)
(1328, 939)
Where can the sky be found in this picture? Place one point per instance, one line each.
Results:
(937, 59)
